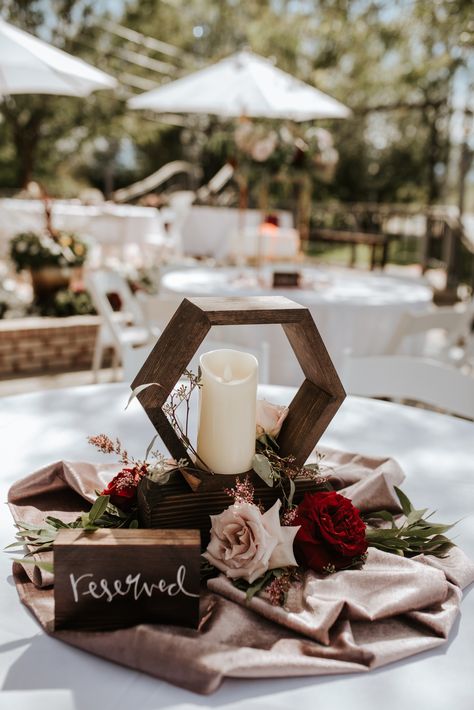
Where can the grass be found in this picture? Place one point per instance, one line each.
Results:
(401, 252)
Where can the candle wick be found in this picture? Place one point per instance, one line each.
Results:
(227, 376)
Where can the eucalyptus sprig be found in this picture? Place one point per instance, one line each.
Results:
(281, 472)
(40, 538)
(178, 399)
(416, 535)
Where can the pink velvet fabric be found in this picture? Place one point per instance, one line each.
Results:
(352, 621)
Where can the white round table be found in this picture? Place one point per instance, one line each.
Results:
(352, 309)
(436, 453)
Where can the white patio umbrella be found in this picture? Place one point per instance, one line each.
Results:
(30, 66)
(243, 84)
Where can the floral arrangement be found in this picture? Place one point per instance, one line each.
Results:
(258, 550)
(73, 301)
(30, 250)
(310, 148)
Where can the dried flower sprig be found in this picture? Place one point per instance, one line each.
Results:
(105, 445)
(177, 398)
(275, 583)
(277, 590)
(243, 492)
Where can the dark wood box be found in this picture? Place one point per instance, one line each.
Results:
(176, 505)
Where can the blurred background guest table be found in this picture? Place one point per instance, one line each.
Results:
(110, 227)
(355, 310)
(436, 454)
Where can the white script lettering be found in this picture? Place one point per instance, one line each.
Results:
(133, 585)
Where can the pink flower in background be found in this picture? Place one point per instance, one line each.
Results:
(270, 418)
(245, 543)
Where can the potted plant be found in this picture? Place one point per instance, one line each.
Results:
(50, 257)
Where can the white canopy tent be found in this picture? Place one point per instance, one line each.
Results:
(243, 84)
(30, 66)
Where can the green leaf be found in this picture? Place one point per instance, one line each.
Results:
(20, 543)
(45, 547)
(383, 514)
(99, 508)
(116, 512)
(262, 467)
(139, 389)
(381, 533)
(55, 522)
(404, 501)
(150, 446)
(292, 492)
(272, 441)
(415, 516)
(28, 526)
(258, 585)
(133, 524)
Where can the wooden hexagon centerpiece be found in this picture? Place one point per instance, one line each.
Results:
(188, 503)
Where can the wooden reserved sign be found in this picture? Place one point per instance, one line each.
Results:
(109, 579)
(286, 279)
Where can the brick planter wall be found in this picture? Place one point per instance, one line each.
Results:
(31, 346)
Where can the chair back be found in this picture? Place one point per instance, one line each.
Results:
(428, 382)
(158, 309)
(454, 322)
(102, 284)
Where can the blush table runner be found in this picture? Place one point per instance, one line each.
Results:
(352, 621)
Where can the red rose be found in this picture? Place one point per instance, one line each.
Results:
(122, 489)
(332, 533)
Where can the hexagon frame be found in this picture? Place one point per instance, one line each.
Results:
(315, 403)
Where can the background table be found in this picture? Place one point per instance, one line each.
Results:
(436, 453)
(355, 310)
(210, 231)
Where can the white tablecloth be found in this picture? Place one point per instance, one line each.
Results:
(352, 309)
(436, 453)
(109, 225)
(210, 231)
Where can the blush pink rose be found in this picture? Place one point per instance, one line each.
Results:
(270, 418)
(246, 543)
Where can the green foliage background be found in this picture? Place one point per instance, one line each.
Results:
(396, 63)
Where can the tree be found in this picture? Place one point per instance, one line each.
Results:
(394, 63)
(36, 125)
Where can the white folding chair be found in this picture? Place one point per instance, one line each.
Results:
(121, 330)
(446, 330)
(180, 204)
(400, 377)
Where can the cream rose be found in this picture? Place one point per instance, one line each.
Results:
(246, 543)
(270, 418)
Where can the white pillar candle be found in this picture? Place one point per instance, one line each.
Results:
(227, 410)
